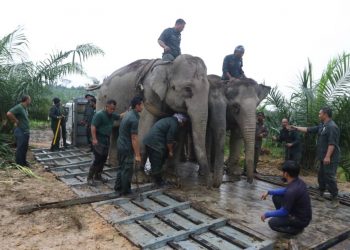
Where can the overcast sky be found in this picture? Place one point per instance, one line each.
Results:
(279, 36)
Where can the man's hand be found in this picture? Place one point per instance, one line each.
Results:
(263, 218)
(94, 141)
(138, 159)
(171, 154)
(326, 160)
(289, 145)
(291, 127)
(264, 195)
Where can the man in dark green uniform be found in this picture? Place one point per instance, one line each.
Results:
(128, 147)
(57, 113)
(170, 40)
(233, 64)
(88, 115)
(160, 142)
(328, 152)
(101, 129)
(19, 116)
(292, 142)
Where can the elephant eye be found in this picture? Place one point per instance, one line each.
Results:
(188, 92)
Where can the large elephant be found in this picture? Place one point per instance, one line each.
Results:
(232, 106)
(181, 86)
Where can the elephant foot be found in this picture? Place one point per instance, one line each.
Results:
(250, 179)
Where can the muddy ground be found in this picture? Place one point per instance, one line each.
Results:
(77, 227)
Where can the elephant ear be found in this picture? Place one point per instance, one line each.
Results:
(159, 80)
(263, 91)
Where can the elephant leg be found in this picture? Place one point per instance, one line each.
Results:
(233, 168)
(218, 161)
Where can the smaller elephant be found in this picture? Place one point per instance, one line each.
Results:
(232, 106)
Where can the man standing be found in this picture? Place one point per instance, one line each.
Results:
(293, 208)
(291, 140)
(170, 40)
(101, 129)
(160, 142)
(260, 133)
(128, 147)
(233, 64)
(88, 115)
(19, 116)
(328, 152)
(58, 121)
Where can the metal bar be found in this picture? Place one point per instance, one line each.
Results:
(63, 157)
(149, 228)
(169, 222)
(229, 238)
(160, 202)
(175, 246)
(151, 214)
(188, 217)
(182, 235)
(203, 242)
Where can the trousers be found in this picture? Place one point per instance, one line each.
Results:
(288, 224)
(22, 142)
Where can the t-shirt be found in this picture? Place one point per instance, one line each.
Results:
(328, 134)
(21, 114)
(104, 124)
(233, 65)
(290, 137)
(162, 133)
(296, 201)
(172, 38)
(128, 126)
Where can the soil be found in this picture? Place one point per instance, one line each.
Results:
(78, 227)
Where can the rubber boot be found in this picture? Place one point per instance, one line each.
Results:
(90, 178)
(98, 177)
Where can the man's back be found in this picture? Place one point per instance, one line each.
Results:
(297, 201)
(128, 126)
(172, 39)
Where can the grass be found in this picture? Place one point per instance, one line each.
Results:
(38, 124)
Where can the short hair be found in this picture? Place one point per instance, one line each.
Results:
(240, 48)
(136, 101)
(93, 100)
(110, 101)
(180, 21)
(260, 113)
(328, 111)
(291, 168)
(89, 95)
(24, 98)
(56, 100)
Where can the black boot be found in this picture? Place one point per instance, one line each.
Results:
(98, 177)
(90, 178)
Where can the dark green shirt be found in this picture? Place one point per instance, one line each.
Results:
(128, 126)
(104, 124)
(162, 133)
(88, 113)
(172, 38)
(21, 114)
(328, 134)
(55, 111)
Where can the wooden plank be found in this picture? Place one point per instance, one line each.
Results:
(203, 242)
(182, 235)
(72, 202)
(332, 241)
(229, 238)
(150, 214)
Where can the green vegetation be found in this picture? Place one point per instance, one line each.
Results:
(331, 89)
(20, 76)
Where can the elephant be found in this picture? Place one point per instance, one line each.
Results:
(232, 106)
(178, 86)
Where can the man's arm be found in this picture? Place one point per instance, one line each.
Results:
(12, 118)
(327, 158)
(170, 149)
(53, 114)
(136, 147)
(93, 135)
(225, 68)
(163, 45)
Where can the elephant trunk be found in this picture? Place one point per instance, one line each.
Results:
(248, 133)
(199, 118)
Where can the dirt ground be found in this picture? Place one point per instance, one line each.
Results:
(78, 227)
